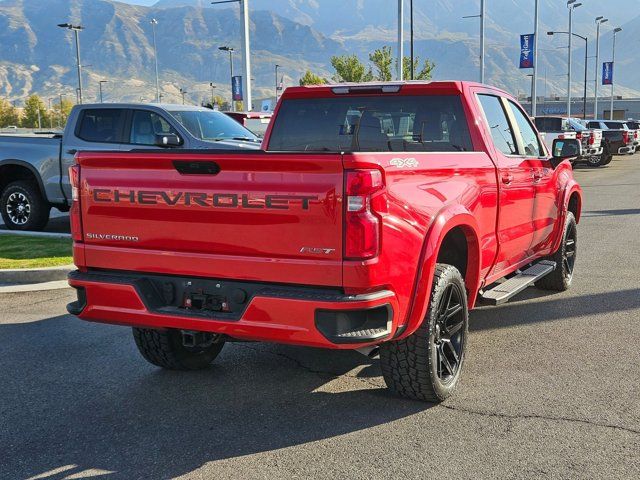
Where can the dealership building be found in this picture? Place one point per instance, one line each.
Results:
(623, 108)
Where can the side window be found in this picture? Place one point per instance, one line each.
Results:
(103, 125)
(594, 125)
(499, 127)
(532, 147)
(146, 125)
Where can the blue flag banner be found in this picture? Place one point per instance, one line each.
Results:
(607, 73)
(236, 88)
(526, 50)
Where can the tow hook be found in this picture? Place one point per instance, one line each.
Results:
(193, 339)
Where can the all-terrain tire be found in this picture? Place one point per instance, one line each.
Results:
(560, 279)
(606, 154)
(164, 348)
(23, 206)
(412, 366)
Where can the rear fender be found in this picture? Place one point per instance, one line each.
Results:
(449, 218)
(571, 188)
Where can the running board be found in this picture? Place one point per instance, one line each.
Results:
(503, 292)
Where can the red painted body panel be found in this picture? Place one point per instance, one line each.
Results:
(425, 196)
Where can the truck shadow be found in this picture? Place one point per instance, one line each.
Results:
(77, 398)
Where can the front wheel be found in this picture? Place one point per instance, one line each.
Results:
(427, 364)
(165, 348)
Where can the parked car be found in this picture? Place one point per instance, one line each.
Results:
(34, 168)
(257, 122)
(376, 217)
(592, 149)
(626, 125)
(617, 140)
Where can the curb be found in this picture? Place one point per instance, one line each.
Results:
(23, 276)
(35, 234)
(36, 287)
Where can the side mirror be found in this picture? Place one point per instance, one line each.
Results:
(565, 149)
(168, 140)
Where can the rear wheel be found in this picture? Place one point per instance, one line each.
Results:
(427, 364)
(23, 207)
(606, 154)
(596, 160)
(565, 258)
(165, 348)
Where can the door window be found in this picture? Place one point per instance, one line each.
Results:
(530, 141)
(498, 124)
(104, 125)
(146, 125)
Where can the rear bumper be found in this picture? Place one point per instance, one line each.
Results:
(626, 149)
(272, 313)
(589, 152)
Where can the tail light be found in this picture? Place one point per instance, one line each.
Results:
(74, 213)
(592, 139)
(625, 136)
(636, 135)
(579, 136)
(362, 225)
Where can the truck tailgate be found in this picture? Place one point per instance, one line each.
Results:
(259, 216)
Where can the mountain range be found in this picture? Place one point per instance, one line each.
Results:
(116, 44)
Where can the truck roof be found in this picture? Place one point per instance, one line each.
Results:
(391, 86)
(164, 106)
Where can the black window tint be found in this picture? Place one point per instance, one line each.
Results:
(549, 124)
(530, 142)
(146, 125)
(372, 124)
(594, 125)
(616, 125)
(498, 124)
(102, 125)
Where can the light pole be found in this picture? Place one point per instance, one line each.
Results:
(246, 50)
(230, 50)
(599, 21)
(213, 99)
(183, 92)
(400, 65)
(613, 63)
(277, 85)
(154, 22)
(572, 5)
(586, 62)
(534, 79)
(50, 113)
(76, 30)
(100, 85)
(411, 65)
(482, 17)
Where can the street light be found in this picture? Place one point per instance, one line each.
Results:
(100, 85)
(183, 92)
(613, 63)
(76, 29)
(572, 5)
(213, 100)
(586, 61)
(154, 22)
(599, 20)
(230, 50)
(246, 49)
(482, 17)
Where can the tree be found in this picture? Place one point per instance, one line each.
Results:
(424, 74)
(349, 68)
(310, 78)
(9, 114)
(35, 113)
(60, 115)
(219, 102)
(382, 60)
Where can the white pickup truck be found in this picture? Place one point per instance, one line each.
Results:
(593, 150)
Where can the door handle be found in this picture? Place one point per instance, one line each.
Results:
(507, 178)
(72, 151)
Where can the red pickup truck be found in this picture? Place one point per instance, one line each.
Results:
(374, 218)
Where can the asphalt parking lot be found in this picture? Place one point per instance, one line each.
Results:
(551, 388)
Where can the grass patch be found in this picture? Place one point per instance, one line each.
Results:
(17, 251)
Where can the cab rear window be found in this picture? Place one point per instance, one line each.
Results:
(372, 124)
